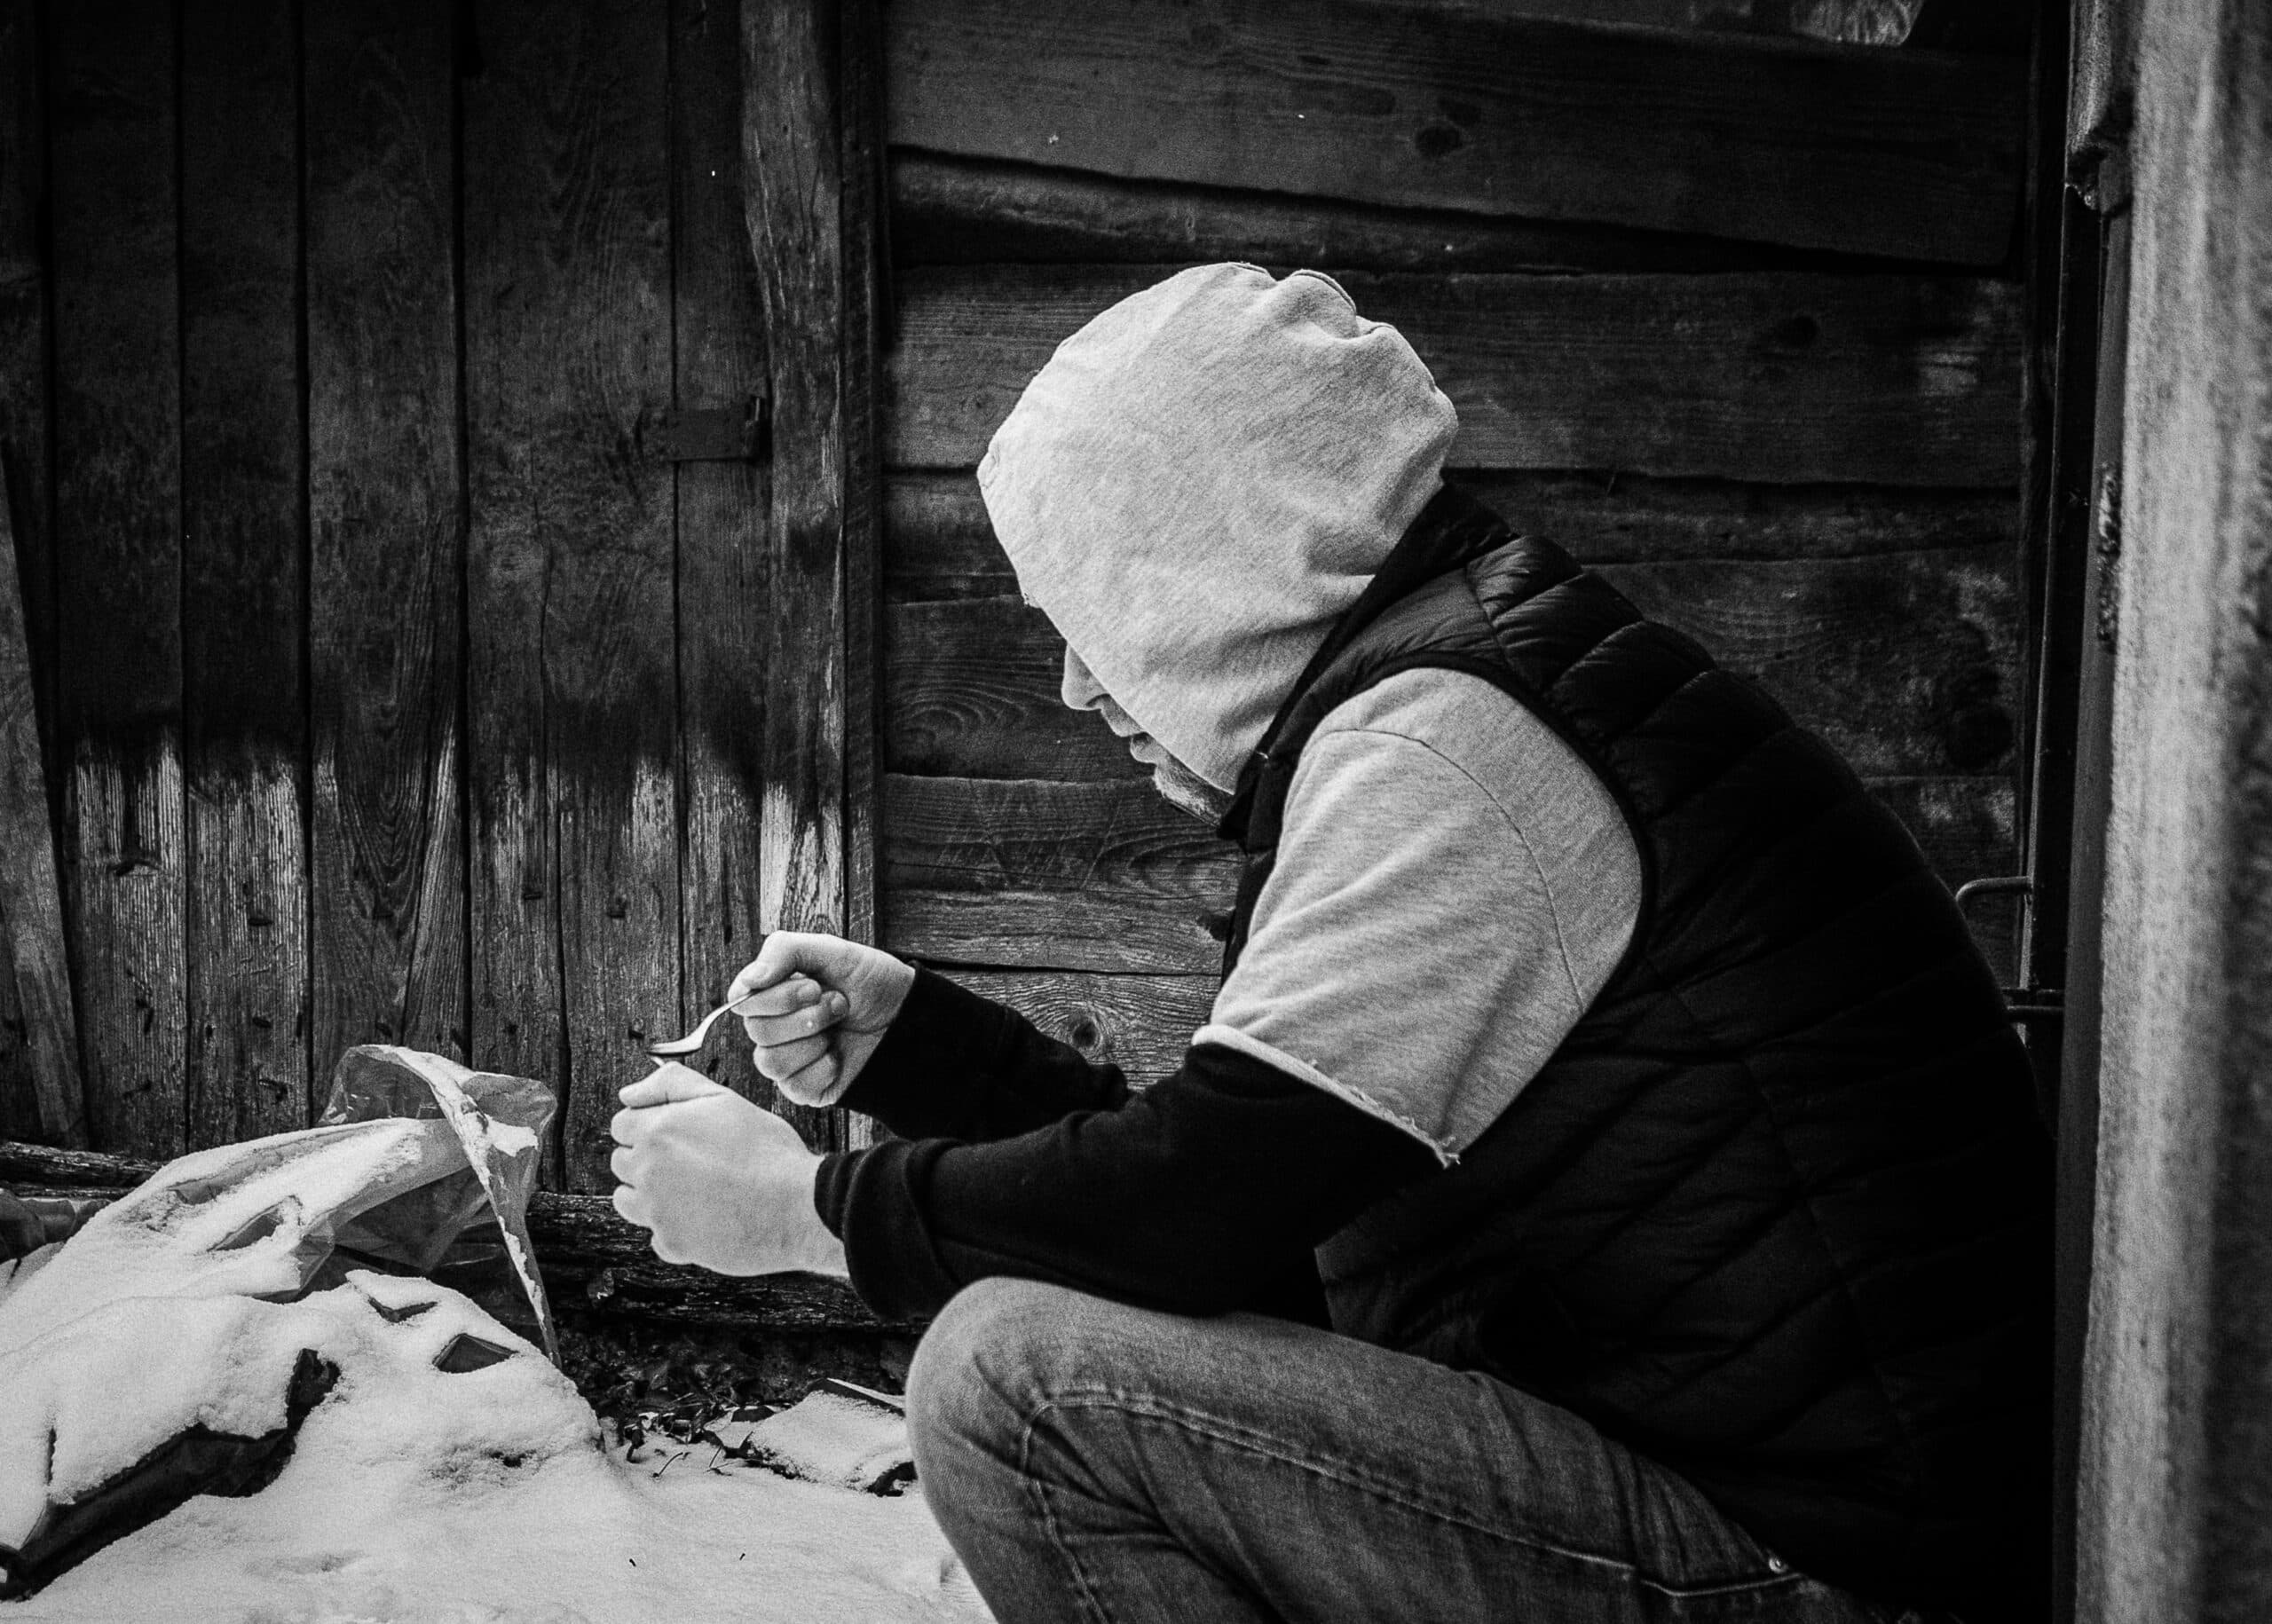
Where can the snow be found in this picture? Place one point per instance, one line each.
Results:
(829, 1438)
(480, 1497)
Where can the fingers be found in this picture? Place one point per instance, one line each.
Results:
(812, 1084)
(785, 953)
(784, 997)
(666, 1083)
(777, 1062)
(621, 1164)
(823, 1010)
(632, 1207)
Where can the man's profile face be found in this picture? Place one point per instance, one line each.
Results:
(1177, 783)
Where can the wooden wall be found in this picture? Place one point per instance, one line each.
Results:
(1732, 319)
(401, 680)
(407, 664)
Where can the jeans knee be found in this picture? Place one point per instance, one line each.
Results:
(986, 1364)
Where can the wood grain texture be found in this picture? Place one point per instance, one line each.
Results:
(1913, 156)
(386, 544)
(1782, 378)
(41, 1095)
(1140, 1023)
(948, 210)
(23, 346)
(792, 178)
(118, 548)
(1906, 662)
(40, 1091)
(719, 360)
(1067, 876)
(938, 542)
(573, 682)
(243, 564)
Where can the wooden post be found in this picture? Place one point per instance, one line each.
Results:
(2175, 1514)
(811, 193)
(386, 542)
(118, 554)
(243, 564)
(41, 1059)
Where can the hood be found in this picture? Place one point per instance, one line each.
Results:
(1201, 481)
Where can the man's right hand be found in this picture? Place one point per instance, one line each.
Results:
(815, 1006)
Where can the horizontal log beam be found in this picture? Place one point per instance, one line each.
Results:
(1782, 378)
(589, 1256)
(1906, 662)
(1140, 1023)
(1914, 156)
(950, 210)
(939, 543)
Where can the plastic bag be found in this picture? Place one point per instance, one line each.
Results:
(411, 1151)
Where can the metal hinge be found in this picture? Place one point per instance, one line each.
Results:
(712, 434)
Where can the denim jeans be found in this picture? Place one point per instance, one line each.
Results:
(1090, 1461)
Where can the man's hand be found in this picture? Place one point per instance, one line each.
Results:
(816, 1008)
(720, 1182)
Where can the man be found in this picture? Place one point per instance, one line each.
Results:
(1596, 1057)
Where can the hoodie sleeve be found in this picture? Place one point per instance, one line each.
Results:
(955, 1064)
(1204, 1193)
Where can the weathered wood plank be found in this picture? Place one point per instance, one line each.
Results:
(938, 542)
(1913, 156)
(1903, 661)
(118, 552)
(719, 360)
(971, 691)
(1783, 378)
(23, 346)
(811, 181)
(243, 563)
(1098, 876)
(987, 834)
(386, 548)
(1140, 1023)
(40, 1091)
(570, 588)
(1048, 930)
(792, 180)
(948, 210)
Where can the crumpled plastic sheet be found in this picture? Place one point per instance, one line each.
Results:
(410, 1151)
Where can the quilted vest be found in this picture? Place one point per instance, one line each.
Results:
(1775, 1214)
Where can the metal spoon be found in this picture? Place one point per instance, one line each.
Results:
(679, 1048)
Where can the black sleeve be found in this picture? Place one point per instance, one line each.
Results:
(954, 1065)
(1203, 1194)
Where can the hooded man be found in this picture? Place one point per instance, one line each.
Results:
(1607, 1185)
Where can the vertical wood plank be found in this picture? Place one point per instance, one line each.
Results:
(387, 927)
(118, 552)
(40, 1095)
(573, 680)
(243, 570)
(719, 361)
(793, 187)
(808, 125)
(24, 340)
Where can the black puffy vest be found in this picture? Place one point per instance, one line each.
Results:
(1775, 1214)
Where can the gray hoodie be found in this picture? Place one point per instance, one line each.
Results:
(1196, 486)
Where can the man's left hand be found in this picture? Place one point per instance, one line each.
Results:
(719, 1181)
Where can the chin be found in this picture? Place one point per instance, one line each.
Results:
(1187, 791)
